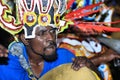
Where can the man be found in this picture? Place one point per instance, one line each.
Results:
(35, 53)
(40, 54)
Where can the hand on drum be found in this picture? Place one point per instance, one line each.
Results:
(81, 61)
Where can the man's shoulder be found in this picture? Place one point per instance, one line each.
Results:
(64, 51)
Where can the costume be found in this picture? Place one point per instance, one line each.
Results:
(30, 14)
(14, 71)
(85, 47)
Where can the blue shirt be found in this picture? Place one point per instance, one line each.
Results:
(14, 71)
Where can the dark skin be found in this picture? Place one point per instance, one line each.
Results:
(3, 51)
(103, 58)
(42, 46)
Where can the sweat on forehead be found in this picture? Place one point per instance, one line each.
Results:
(43, 28)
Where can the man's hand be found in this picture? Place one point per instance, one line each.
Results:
(81, 61)
(3, 51)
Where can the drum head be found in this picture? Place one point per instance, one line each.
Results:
(65, 72)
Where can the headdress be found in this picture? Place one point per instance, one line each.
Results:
(28, 14)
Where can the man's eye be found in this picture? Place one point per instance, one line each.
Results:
(41, 33)
(53, 30)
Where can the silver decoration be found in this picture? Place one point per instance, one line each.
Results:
(17, 50)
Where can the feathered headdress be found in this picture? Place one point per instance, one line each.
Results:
(28, 14)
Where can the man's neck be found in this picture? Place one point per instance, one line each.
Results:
(34, 58)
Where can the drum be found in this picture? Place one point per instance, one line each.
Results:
(65, 72)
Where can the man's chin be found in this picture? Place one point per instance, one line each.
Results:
(50, 58)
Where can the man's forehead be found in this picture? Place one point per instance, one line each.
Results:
(43, 28)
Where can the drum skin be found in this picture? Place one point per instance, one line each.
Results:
(65, 72)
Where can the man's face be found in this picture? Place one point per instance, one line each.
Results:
(44, 43)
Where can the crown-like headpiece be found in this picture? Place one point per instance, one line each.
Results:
(29, 14)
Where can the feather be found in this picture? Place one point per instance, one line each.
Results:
(69, 4)
(85, 11)
(98, 28)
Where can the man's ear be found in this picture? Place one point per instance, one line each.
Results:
(22, 38)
